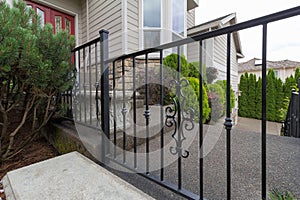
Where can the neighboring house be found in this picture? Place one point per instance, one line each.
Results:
(215, 49)
(282, 69)
(133, 24)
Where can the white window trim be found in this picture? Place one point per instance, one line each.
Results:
(141, 24)
(166, 24)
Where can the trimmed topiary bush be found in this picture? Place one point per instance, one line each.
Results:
(223, 84)
(195, 85)
(171, 61)
(217, 101)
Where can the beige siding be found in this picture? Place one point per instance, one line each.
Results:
(190, 19)
(103, 14)
(193, 52)
(132, 25)
(220, 50)
(234, 67)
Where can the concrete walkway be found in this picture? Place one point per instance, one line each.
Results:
(68, 177)
(254, 125)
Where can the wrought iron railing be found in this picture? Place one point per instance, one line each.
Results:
(292, 124)
(92, 62)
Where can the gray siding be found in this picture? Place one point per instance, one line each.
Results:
(234, 67)
(220, 51)
(103, 14)
(190, 18)
(193, 52)
(132, 26)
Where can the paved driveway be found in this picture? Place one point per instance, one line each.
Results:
(283, 164)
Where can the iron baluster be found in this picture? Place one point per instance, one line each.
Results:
(201, 119)
(264, 114)
(104, 94)
(84, 85)
(115, 110)
(161, 116)
(228, 121)
(97, 83)
(134, 114)
(147, 115)
(124, 111)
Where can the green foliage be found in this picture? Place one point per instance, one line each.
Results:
(258, 106)
(284, 109)
(278, 94)
(275, 194)
(252, 94)
(171, 61)
(223, 84)
(194, 71)
(271, 95)
(217, 101)
(194, 103)
(243, 99)
(35, 68)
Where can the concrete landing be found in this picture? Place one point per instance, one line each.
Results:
(67, 177)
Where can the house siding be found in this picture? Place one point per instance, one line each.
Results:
(220, 52)
(103, 14)
(190, 19)
(132, 31)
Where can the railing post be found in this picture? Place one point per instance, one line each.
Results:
(104, 93)
(292, 114)
(298, 111)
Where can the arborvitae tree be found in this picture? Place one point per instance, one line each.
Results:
(243, 99)
(258, 99)
(252, 96)
(271, 95)
(279, 98)
(297, 75)
(290, 83)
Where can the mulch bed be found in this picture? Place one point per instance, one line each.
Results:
(38, 150)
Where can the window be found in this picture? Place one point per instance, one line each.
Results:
(41, 14)
(58, 19)
(151, 38)
(276, 73)
(58, 23)
(152, 13)
(68, 25)
(162, 21)
(151, 23)
(28, 7)
(178, 11)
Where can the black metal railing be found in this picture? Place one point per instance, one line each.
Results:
(292, 124)
(92, 61)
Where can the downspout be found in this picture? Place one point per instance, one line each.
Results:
(87, 22)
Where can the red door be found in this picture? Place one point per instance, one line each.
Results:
(58, 19)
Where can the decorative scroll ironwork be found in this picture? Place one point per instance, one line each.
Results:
(178, 115)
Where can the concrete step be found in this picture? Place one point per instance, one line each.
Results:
(67, 177)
